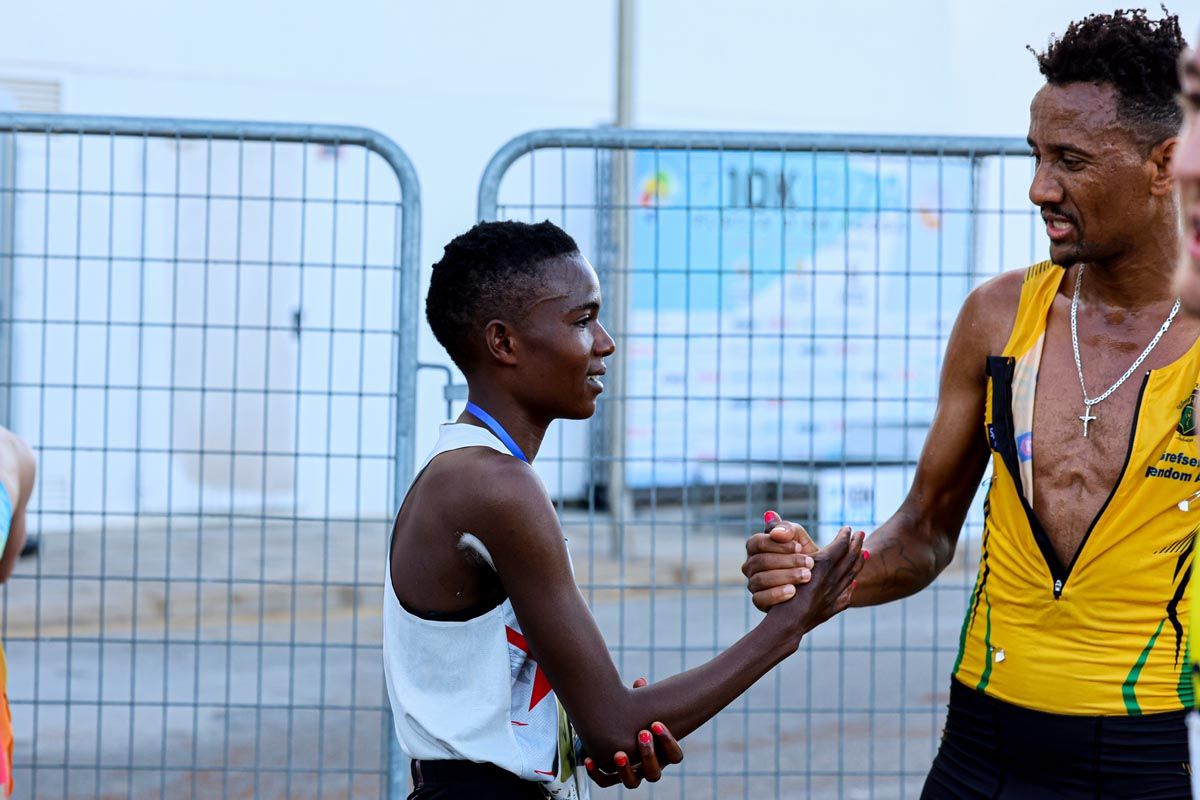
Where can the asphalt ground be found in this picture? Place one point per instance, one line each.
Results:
(242, 660)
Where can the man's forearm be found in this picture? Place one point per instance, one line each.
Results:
(903, 561)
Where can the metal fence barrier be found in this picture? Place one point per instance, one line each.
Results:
(780, 304)
(208, 335)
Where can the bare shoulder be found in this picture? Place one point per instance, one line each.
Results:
(1004, 288)
(19, 465)
(990, 309)
(483, 476)
(496, 497)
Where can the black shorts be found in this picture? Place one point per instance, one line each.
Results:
(468, 780)
(993, 749)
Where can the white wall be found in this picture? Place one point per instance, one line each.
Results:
(927, 66)
(452, 80)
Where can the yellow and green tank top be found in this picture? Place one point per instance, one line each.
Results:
(1195, 668)
(1106, 634)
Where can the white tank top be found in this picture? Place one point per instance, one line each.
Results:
(469, 690)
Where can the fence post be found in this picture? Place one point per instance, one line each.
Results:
(175, 258)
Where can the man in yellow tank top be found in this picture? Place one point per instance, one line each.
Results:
(1074, 379)
(1186, 170)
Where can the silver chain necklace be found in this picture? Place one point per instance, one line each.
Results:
(1087, 415)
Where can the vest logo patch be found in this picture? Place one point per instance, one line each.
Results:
(1187, 417)
(1025, 447)
(1187, 421)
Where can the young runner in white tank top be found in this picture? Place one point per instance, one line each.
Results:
(466, 688)
(491, 652)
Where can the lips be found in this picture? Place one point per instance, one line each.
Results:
(595, 378)
(1058, 228)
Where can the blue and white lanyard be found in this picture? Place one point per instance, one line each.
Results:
(498, 429)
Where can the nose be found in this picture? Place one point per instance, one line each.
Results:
(603, 345)
(1186, 165)
(1045, 189)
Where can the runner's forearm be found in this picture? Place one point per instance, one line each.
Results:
(905, 558)
(686, 701)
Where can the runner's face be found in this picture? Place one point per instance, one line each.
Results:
(1091, 178)
(1186, 171)
(565, 344)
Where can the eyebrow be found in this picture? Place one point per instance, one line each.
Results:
(1189, 90)
(1070, 148)
(1189, 67)
(590, 305)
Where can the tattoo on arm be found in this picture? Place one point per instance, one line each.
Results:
(902, 572)
(901, 564)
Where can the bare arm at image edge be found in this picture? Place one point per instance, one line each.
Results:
(27, 473)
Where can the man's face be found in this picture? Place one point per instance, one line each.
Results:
(1186, 171)
(564, 342)
(1091, 179)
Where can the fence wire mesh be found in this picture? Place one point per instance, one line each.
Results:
(780, 305)
(208, 338)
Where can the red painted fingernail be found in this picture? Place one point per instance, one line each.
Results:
(644, 737)
(769, 516)
(658, 728)
(588, 763)
(620, 759)
(854, 584)
(866, 554)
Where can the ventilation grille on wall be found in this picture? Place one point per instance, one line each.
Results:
(41, 97)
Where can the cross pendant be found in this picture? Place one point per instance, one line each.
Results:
(1086, 417)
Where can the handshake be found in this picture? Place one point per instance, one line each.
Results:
(778, 561)
(784, 556)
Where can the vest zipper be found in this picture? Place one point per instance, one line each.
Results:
(1137, 412)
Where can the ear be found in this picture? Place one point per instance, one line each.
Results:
(1160, 162)
(498, 339)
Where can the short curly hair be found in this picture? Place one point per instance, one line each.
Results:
(488, 273)
(1137, 55)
